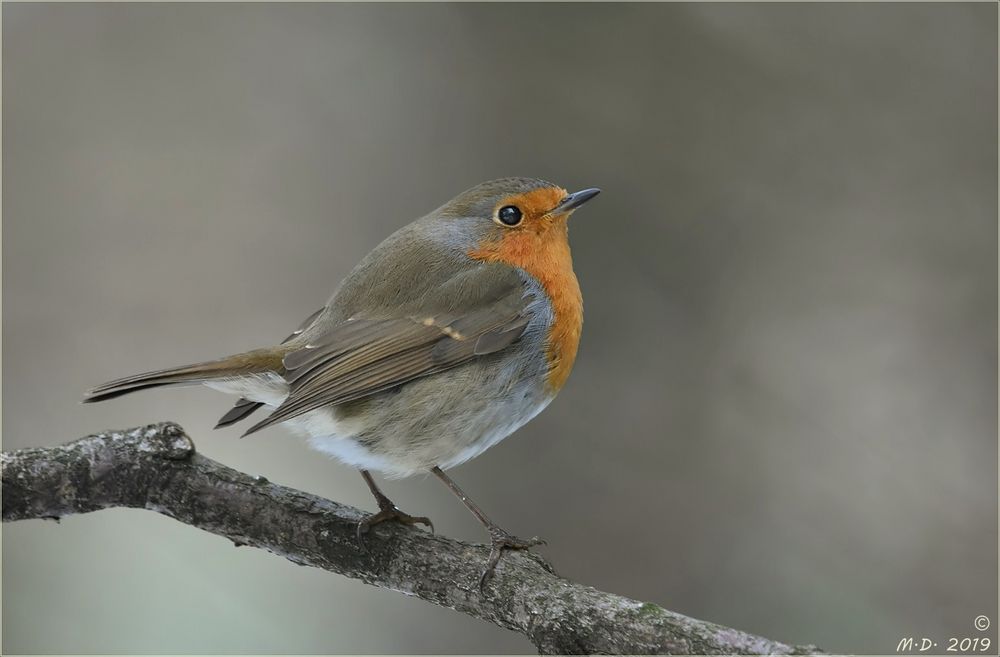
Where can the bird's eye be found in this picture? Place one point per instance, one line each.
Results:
(509, 215)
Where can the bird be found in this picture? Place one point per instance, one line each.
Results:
(446, 338)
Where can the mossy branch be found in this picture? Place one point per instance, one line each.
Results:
(156, 467)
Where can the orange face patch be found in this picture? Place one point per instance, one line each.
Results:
(536, 203)
(540, 246)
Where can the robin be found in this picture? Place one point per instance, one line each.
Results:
(449, 336)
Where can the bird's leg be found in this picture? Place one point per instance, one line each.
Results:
(500, 539)
(387, 511)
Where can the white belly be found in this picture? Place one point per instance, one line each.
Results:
(336, 436)
(323, 430)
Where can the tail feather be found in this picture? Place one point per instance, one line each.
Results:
(260, 360)
(242, 409)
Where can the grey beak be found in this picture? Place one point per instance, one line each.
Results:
(575, 200)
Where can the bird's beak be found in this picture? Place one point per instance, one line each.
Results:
(575, 200)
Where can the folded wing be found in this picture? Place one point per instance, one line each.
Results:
(363, 356)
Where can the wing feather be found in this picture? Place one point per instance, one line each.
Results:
(245, 407)
(360, 357)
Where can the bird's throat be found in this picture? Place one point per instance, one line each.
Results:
(545, 255)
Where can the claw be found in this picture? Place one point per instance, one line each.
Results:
(388, 512)
(500, 541)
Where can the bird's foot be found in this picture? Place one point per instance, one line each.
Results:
(500, 540)
(388, 511)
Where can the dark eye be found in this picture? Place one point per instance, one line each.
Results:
(509, 215)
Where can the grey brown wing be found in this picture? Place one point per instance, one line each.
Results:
(245, 407)
(361, 357)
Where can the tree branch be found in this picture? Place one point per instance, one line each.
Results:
(155, 467)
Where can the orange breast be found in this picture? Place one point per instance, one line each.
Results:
(544, 253)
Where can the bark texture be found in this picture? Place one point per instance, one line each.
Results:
(156, 467)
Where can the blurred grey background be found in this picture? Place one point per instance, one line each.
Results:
(784, 413)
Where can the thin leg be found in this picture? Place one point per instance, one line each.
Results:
(387, 511)
(500, 540)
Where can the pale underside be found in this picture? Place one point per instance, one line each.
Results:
(377, 438)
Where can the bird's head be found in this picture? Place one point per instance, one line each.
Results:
(519, 221)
